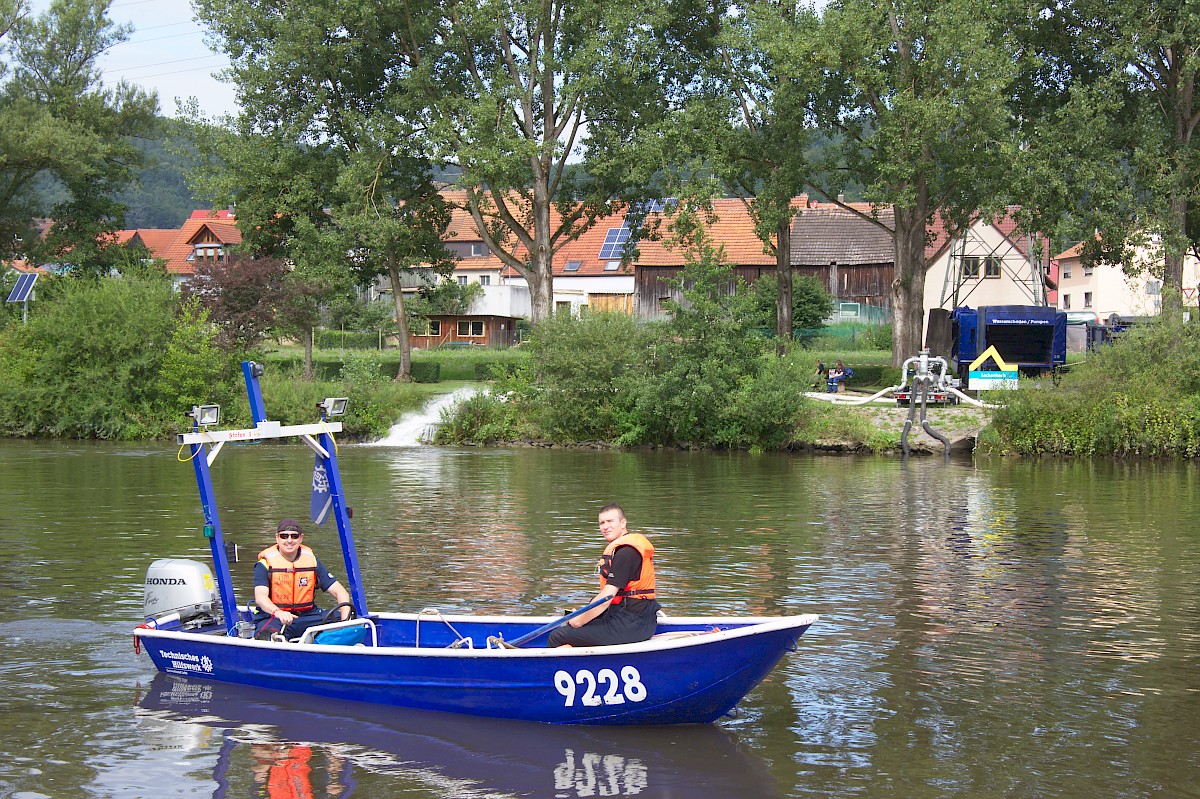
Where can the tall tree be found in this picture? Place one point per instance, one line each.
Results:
(760, 150)
(1113, 128)
(61, 128)
(914, 93)
(329, 164)
(508, 92)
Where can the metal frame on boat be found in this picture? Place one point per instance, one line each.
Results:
(694, 670)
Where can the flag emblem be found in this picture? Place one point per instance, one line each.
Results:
(322, 500)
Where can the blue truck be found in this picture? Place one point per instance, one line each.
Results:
(1032, 338)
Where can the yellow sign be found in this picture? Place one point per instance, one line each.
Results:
(990, 352)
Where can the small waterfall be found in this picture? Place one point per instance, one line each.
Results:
(416, 427)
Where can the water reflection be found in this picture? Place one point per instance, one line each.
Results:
(315, 747)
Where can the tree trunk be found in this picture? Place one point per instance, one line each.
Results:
(404, 374)
(783, 270)
(308, 349)
(541, 260)
(1172, 294)
(908, 287)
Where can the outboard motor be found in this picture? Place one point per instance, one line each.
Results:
(180, 594)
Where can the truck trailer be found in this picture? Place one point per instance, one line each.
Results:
(1031, 338)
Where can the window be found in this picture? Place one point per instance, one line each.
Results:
(991, 267)
(435, 327)
(477, 249)
(563, 307)
(573, 266)
(970, 267)
(485, 280)
(207, 252)
(1087, 299)
(1066, 271)
(1087, 271)
(468, 328)
(462, 280)
(612, 266)
(1066, 302)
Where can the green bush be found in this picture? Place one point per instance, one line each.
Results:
(706, 378)
(347, 340)
(88, 363)
(869, 375)
(765, 410)
(328, 364)
(425, 371)
(481, 419)
(1139, 396)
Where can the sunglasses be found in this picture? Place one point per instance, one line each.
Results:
(289, 535)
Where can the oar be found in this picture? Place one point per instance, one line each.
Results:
(527, 637)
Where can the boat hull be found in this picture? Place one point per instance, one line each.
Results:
(696, 673)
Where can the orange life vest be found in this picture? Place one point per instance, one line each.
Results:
(643, 586)
(293, 582)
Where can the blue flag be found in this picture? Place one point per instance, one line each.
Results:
(322, 501)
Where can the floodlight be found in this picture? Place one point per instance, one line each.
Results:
(334, 406)
(206, 415)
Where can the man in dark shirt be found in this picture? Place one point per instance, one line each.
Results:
(626, 578)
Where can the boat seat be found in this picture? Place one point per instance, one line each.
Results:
(677, 634)
(683, 634)
(351, 632)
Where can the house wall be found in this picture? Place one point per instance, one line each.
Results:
(866, 283)
(596, 292)
(1011, 287)
(1114, 292)
(510, 300)
(483, 330)
(653, 289)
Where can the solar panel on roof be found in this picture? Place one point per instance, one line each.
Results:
(614, 243)
(24, 287)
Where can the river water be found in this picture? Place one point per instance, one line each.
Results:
(989, 628)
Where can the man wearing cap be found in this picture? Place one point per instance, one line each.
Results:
(286, 578)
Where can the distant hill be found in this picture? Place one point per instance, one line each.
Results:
(160, 197)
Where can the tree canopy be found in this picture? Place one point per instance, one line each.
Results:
(62, 129)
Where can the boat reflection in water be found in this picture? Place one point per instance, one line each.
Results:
(329, 748)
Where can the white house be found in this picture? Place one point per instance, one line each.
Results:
(1106, 289)
(991, 263)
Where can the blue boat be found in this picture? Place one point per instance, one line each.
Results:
(694, 669)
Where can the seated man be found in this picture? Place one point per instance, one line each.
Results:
(286, 578)
(627, 580)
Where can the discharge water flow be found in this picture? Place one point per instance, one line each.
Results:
(416, 427)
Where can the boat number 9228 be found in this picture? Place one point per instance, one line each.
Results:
(602, 687)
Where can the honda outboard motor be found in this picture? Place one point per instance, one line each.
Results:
(180, 594)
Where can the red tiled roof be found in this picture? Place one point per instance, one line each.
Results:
(157, 240)
(205, 213)
(1074, 252)
(219, 225)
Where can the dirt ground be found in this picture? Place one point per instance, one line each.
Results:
(959, 423)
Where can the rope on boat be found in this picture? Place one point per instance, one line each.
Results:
(460, 640)
(498, 642)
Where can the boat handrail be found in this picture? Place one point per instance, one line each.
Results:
(310, 635)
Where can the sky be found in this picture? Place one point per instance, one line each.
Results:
(165, 53)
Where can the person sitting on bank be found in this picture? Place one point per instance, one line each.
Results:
(286, 578)
(837, 374)
(627, 580)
